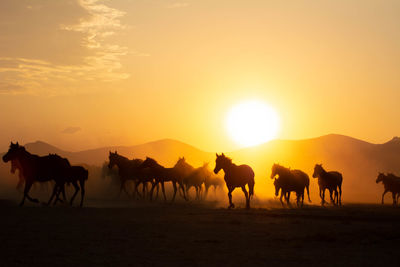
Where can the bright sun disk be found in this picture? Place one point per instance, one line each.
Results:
(252, 122)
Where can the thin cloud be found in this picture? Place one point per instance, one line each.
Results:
(101, 61)
(71, 130)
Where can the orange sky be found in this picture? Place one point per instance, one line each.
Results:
(83, 74)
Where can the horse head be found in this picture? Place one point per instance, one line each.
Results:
(113, 158)
(149, 163)
(221, 162)
(13, 152)
(274, 170)
(381, 177)
(317, 170)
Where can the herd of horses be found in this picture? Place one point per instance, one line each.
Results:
(150, 175)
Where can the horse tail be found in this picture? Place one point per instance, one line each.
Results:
(251, 187)
(308, 193)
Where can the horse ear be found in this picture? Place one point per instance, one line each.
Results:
(17, 144)
(223, 154)
(216, 154)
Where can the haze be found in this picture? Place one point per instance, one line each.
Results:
(84, 74)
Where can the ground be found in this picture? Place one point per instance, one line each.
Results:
(144, 233)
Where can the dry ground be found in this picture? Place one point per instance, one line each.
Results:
(116, 234)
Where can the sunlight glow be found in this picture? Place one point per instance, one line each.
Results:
(252, 122)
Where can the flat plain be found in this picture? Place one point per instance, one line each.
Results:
(160, 234)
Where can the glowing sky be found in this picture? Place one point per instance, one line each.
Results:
(89, 73)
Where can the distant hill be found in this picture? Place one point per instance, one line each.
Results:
(166, 151)
(359, 161)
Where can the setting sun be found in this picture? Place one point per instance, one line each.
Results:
(252, 122)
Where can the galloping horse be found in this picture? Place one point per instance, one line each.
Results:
(391, 183)
(38, 169)
(290, 180)
(162, 175)
(196, 179)
(185, 171)
(127, 169)
(235, 176)
(77, 174)
(329, 180)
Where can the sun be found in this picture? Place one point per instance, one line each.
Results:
(252, 122)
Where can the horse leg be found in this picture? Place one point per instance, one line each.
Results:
(323, 197)
(55, 188)
(340, 195)
(183, 190)
(75, 184)
(163, 190)
(230, 190)
(246, 194)
(282, 194)
(288, 198)
(330, 195)
(383, 195)
(28, 186)
(175, 189)
(82, 183)
(394, 199)
(152, 189)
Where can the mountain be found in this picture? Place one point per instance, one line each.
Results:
(357, 160)
(166, 151)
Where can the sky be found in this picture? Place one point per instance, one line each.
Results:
(81, 74)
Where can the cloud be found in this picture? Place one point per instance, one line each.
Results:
(59, 49)
(71, 130)
(178, 5)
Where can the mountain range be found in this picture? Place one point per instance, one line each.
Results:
(357, 160)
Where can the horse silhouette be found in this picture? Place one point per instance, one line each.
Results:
(77, 174)
(329, 180)
(391, 183)
(235, 176)
(161, 175)
(128, 170)
(290, 180)
(38, 169)
(186, 171)
(196, 179)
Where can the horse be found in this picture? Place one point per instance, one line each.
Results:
(162, 175)
(185, 171)
(235, 176)
(329, 180)
(77, 174)
(127, 170)
(391, 183)
(196, 179)
(38, 169)
(290, 180)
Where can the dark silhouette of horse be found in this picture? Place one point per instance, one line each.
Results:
(77, 174)
(235, 176)
(128, 170)
(329, 180)
(185, 171)
(39, 169)
(196, 179)
(161, 175)
(290, 180)
(391, 183)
